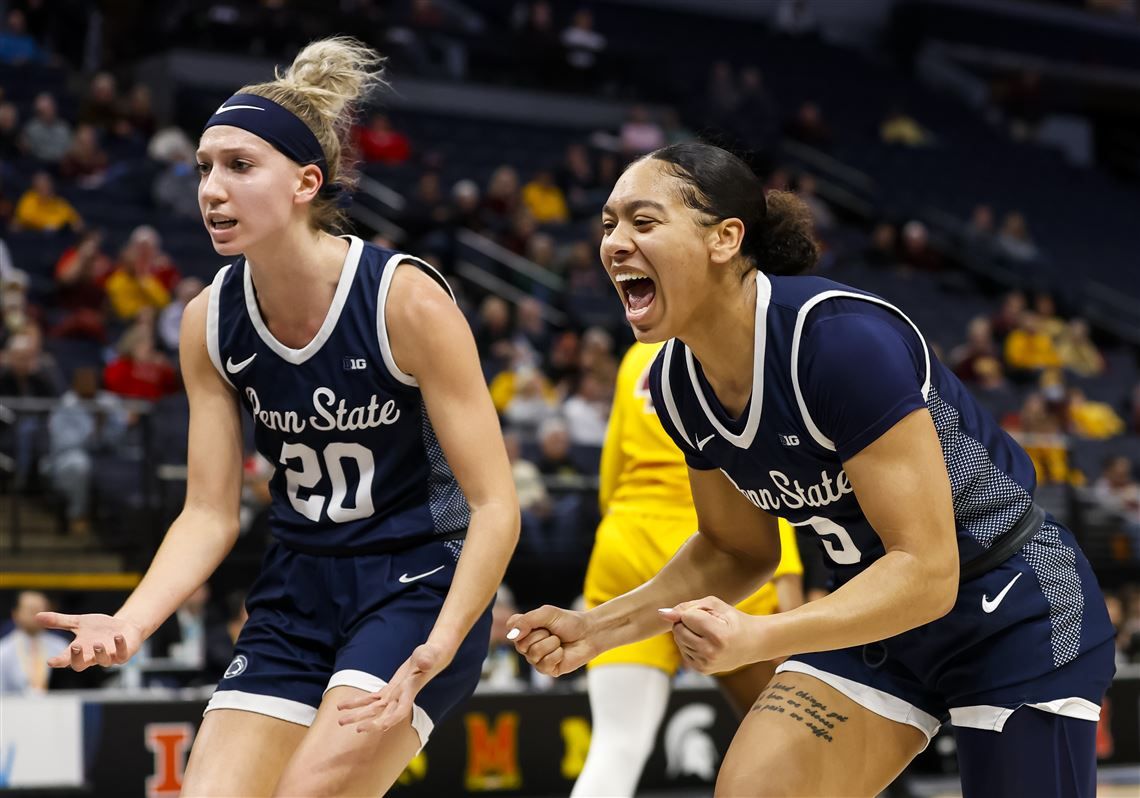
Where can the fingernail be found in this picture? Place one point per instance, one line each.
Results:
(664, 609)
(513, 634)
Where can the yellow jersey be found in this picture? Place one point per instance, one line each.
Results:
(642, 471)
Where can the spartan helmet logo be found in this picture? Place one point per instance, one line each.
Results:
(689, 749)
(238, 665)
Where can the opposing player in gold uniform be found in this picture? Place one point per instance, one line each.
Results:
(647, 513)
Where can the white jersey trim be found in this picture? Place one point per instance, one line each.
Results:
(667, 391)
(344, 285)
(382, 302)
(881, 703)
(990, 718)
(362, 680)
(807, 308)
(271, 705)
(745, 438)
(213, 316)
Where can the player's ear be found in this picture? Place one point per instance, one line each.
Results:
(309, 184)
(725, 239)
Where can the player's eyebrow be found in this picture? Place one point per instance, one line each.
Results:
(224, 151)
(634, 205)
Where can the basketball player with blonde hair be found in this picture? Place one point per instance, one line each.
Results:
(393, 511)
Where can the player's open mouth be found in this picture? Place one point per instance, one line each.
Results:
(222, 224)
(638, 290)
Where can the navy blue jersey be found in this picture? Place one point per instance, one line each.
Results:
(834, 369)
(357, 463)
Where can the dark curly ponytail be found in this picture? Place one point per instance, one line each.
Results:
(778, 236)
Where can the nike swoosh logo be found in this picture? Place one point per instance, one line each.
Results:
(989, 606)
(234, 368)
(405, 578)
(701, 444)
(225, 108)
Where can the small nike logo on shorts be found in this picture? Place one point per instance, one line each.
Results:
(405, 578)
(989, 606)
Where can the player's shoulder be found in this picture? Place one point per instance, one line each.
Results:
(807, 291)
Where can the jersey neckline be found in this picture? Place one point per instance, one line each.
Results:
(714, 411)
(344, 285)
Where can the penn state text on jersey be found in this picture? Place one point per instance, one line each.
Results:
(357, 463)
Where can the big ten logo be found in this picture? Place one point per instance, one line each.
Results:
(575, 745)
(492, 752)
(415, 771)
(169, 742)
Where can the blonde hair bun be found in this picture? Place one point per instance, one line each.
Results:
(323, 87)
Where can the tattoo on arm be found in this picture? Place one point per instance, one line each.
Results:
(802, 707)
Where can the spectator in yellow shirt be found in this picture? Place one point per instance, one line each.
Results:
(1029, 347)
(544, 199)
(900, 128)
(1093, 420)
(134, 286)
(41, 209)
(1077, 351)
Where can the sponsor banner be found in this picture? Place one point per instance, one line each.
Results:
(501, 744)
(41, 741)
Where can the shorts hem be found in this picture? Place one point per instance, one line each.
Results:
(992, 718)
(362, 680)
(878, 701)
(270, 705)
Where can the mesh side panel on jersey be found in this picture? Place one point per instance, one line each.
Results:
(455, 547)
(987, 502)
(1055, 565)
(448, 505)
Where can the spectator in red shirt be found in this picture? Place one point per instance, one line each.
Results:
(380, 143)
(79, 277)
(140, 371)
(143, 254)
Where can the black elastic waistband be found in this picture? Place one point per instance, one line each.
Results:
(384, 547)
(1007, 544)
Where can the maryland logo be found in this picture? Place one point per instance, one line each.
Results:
(492, 752)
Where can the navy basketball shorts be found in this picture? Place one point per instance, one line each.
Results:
(1033, 632)
(318, 622)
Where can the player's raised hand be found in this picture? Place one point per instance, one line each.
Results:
(99, 639)
(712, 635)
(555, 641)
(393, 703)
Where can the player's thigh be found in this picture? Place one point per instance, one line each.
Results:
(239, 753)
(785, 747)
(337, 760)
